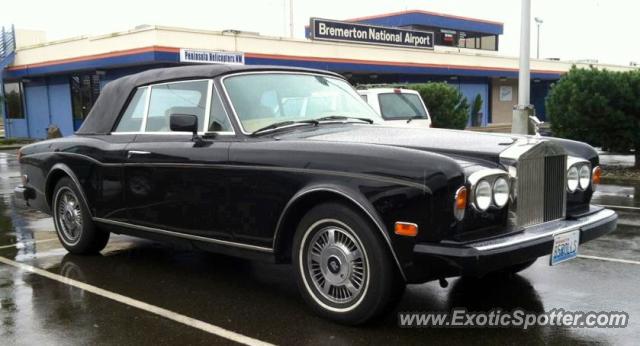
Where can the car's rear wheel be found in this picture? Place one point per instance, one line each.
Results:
(345, 271)
(74, 226)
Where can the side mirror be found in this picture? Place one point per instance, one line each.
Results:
(184, 123)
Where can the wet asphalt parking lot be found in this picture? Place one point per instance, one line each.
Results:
(141, 292)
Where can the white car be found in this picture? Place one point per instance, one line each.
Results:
(398, 107)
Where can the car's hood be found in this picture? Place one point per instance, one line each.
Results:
(472, 145)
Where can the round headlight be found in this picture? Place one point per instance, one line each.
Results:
(500, 192)
(585, 177)
(572, 179)
(483, 195)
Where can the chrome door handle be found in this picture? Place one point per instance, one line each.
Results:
(136, 152)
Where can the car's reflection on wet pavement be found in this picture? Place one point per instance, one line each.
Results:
(260, 300)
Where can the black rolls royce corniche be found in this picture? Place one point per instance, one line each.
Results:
(292, 166)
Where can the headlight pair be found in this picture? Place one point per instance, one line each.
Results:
(578, 176)
(489, 188)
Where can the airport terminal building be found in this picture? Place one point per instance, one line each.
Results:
(57, 82)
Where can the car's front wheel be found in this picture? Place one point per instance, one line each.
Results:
(73, 223)
(345, 271)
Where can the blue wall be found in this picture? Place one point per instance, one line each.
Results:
(470, 91)
(37, 101)
(48, 101)
(539, 92)
(60, 104)
(16, 128)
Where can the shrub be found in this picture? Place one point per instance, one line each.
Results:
(447, 106)
(599, 107)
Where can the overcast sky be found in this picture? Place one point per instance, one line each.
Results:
(573, 29)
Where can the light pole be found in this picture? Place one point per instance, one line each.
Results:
(521, 112)
(291, 18)
(539, 21)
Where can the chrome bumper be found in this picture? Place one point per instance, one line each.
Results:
(480, 258)
(548, 229)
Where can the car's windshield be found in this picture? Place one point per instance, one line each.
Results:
(400, 106)
(267, 98)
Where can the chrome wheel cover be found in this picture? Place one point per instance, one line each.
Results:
(68, 216)
(336, 265)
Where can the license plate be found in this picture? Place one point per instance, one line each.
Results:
(565, 247)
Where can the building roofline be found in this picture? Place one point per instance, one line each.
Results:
(390, 14)
(64, 64)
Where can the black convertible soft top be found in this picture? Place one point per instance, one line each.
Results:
(105, 111)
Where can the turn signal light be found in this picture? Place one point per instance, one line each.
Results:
(406, 229)
(460, 202)
(596, 175)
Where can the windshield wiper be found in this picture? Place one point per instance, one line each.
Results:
(283, 124)
(416, 117)
(342, 117)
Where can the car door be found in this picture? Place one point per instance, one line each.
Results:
(173, 182)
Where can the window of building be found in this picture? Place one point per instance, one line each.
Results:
(85, 89)
(488, 42)
(13, 100)
(131, 120)
(176, 98)
(474, 40)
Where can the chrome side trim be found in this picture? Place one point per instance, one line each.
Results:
(143, 123)
(548, 229)
(136, 152)
(380, 227)
(184, 235)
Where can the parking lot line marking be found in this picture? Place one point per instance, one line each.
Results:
(168, 314)
(609, 259)
(27, 242)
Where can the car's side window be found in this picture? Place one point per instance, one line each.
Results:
(176, 98)
(131, 120)
(218, 120)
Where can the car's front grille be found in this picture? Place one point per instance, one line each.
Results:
(541, 189)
